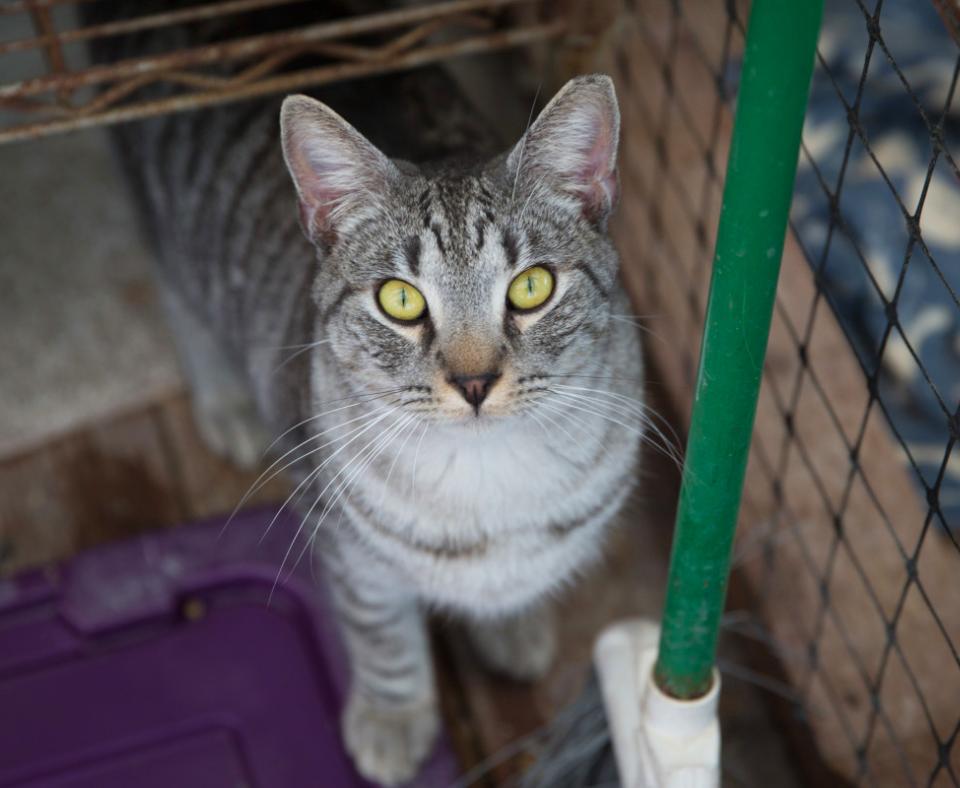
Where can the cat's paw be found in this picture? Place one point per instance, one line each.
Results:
(231, 428)
(388, 744)
(521, 647)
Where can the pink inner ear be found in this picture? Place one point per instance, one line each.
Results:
(315, 209)
(336, 171)
(317, 180)
(597, 178)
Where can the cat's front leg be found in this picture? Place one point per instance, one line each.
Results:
(391, 718)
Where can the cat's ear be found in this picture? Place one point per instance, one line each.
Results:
(338, 174)
(571, 148)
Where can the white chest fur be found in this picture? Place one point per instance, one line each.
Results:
(512, 509)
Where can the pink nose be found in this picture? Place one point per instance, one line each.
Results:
(475, 387)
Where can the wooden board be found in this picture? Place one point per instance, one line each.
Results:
(111, 480)
(100, 483)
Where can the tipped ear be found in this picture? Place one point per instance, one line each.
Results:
(571, 148)
(338, 174)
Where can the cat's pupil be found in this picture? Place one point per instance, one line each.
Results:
(403, 297)
(529, 285)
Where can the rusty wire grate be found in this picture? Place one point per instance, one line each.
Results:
(67, 93)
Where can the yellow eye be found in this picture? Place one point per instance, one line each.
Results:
(531, 288)
(401, 300)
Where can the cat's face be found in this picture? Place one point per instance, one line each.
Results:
(467, 293)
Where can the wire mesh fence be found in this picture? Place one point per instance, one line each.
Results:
(848, 536)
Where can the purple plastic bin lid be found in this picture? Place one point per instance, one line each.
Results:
(173, 661)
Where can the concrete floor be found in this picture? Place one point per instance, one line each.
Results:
(83, 337)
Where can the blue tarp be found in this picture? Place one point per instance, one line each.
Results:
(871, 270)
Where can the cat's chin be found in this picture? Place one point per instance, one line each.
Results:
(478, 422)
(470, 420)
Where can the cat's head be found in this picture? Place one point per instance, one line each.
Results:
(468, 290)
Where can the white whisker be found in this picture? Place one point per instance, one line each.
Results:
(316, 471)
(416, 456)
(369, 398)
(318, 498)
(576, 421)
(596, 411)
(265, 477)
(372, 450)
(523, 145)
(536, 418)
(533, 191)
(294, 347)
(652, 316)
(585, 428)
(349, 480)
(299, 352)
(638, 381)
(638, 405)
(653, 418)
(635, 322)
(386, 481)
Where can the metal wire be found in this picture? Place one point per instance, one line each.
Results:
(54, 99)
(239, 66)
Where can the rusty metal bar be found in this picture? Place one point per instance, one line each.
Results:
(152, 21)
(19, 6)
(266, 66)
(291, 81)
(240, 49)
(43, 24)
(146, 22)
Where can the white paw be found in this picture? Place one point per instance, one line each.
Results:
(522, 647)
(388, 744)
(232, 429)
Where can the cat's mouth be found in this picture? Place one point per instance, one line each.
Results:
(474, 423)
(478, 398)
(474, 400)
(512, 405)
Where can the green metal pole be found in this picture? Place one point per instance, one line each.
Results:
(775, 81)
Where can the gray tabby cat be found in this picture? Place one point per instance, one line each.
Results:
(464, 413)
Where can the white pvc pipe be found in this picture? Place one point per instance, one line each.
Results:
(658, 741)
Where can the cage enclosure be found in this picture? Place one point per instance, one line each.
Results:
(847, 541)
(844, 590)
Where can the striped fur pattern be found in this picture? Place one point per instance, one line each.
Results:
(483, 513)
(413, 498)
